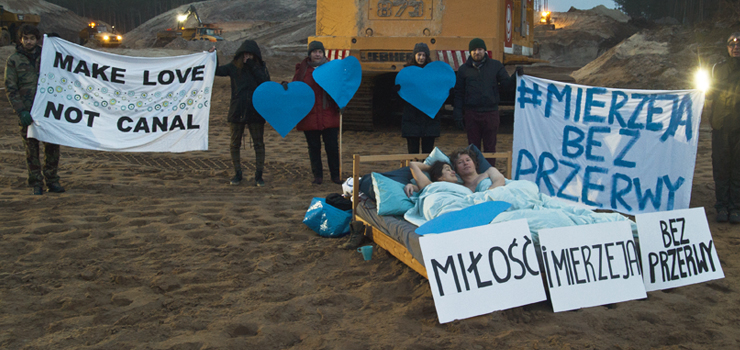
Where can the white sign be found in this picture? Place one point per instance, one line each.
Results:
(631, 151)
(591, 265)
(101, 101)
(482, 269)
(677, 249)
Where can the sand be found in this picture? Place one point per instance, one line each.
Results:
(158, 251)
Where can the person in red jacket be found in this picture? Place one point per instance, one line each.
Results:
(322, 121)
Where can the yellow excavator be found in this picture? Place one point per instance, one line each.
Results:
(11, 21)
(381, 34)
(100, 35)
(203, 31)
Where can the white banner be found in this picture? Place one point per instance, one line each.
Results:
(591, 265)
(677, 249)
(101, 101)
(482, 269)
(631, 151)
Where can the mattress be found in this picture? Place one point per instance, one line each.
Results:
(395, 227)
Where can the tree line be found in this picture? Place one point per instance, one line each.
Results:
(125, 15)
(685, 11)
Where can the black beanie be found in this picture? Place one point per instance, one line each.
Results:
(315, 45)
(477, 43)
(421, 47)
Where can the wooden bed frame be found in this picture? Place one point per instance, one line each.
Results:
(381, 239)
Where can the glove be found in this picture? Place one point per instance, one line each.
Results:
(26, 119)
(519, 71)
(285, 85)
(250, 63)
(397, 87)
(460, 124)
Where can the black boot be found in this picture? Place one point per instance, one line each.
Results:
(356, 235)
(258, 179)
(237, 178)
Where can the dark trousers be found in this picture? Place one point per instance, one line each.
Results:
(726, 168)
(331, 145)
(483, 126)
(36, 174)
(427, 144)
(257, 130)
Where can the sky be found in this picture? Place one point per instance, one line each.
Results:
(564, 5)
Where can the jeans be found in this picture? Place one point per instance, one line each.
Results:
(331, 145)
(257, 130)
(483, 126)
(726, 168)
(427, 144)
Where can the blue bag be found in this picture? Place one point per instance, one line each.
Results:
(327, 220)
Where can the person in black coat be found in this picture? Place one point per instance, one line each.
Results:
(416, 126)
(247, 71)
(477, 88)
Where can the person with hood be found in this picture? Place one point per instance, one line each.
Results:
(323, 119)
(21, 78)
(416, 126)
(247, 71)
(477, 96)
(725, 121)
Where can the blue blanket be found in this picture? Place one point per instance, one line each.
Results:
(541, 211)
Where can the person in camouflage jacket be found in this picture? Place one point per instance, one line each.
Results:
(21, 79)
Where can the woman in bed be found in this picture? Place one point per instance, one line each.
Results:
(440, 193)
(441, 171)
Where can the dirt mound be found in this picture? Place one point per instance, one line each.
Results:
(53, 18)
(651, 59)
(263, 20)
(580, 36)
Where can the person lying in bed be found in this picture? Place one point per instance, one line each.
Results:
(440, 193)
(465, 163)
(441, 171)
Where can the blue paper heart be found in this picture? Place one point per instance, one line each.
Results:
(477, 215)
(283, 109)
(340, 78)
(426, 88)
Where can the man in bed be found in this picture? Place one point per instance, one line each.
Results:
(465, 164)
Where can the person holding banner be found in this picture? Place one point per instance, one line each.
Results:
(725, 121)
(416, 126)
(477, 96)
(247, 71)
(21, 79)
(323, 119)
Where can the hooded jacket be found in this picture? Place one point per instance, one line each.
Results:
(21, 78)
(725, 95)
(244, 81)
(325, 112)
(477, 88)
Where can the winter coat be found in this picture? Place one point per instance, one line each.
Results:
(325, 112)
(477, 88)
(415, 123)
(21, 78)
(243, 83)
(725, 95)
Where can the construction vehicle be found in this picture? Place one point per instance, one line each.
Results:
(382, 35)
(202, 31)
(99, 34)
(546, 16)
(10, 22)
